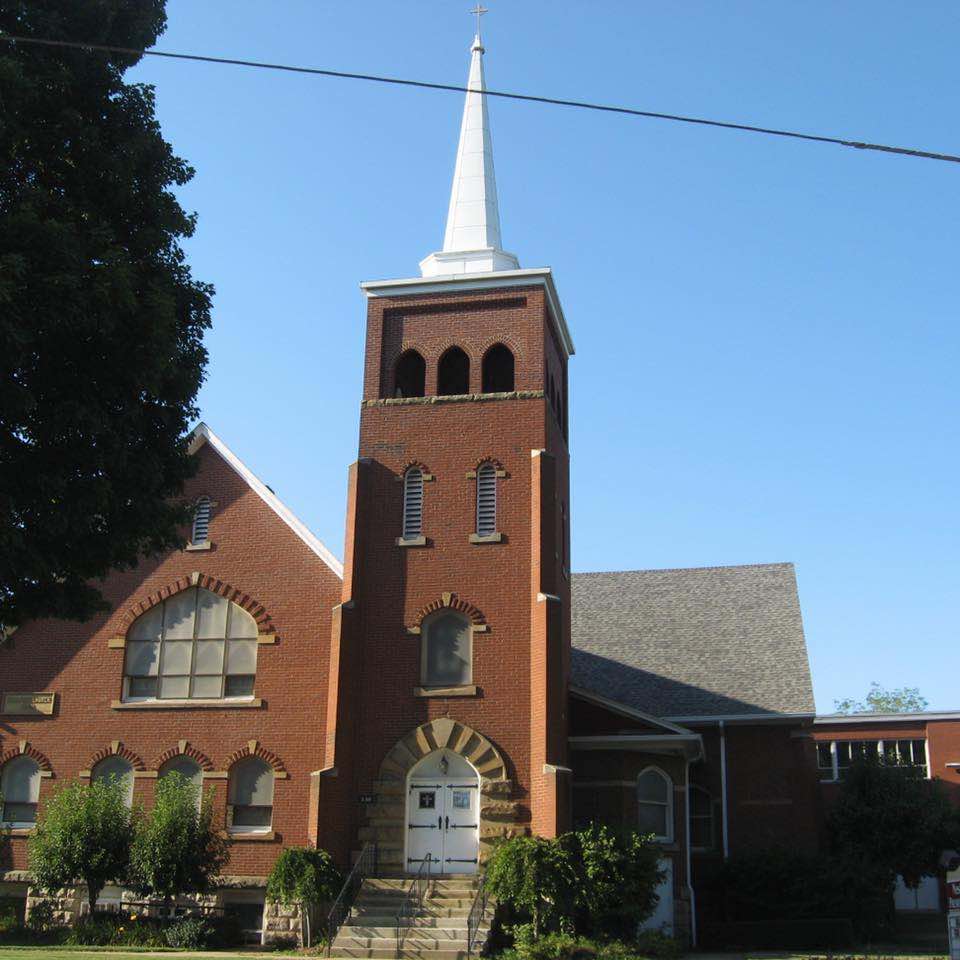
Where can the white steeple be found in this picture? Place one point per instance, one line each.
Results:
(471, 243)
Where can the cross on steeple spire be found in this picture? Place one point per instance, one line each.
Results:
(471, 243)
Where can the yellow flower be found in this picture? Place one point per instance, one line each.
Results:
(120, 929)
(133, 916)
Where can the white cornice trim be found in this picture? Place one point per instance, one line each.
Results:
(745, 718)
(203, 434)
(624, 711)
(480, 281)
(886, 718)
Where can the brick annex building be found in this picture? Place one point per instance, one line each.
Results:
(451, 682)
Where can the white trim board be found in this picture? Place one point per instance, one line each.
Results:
(203, 434)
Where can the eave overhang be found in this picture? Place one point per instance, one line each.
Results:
(686, 745)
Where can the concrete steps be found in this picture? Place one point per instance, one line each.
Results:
(437, 931)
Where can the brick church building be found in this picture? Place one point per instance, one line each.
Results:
(451, 682)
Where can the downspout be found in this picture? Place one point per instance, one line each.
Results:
(693, 896)
(723, 791)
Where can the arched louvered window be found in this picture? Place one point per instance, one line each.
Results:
(486, 500)
(412, 503)
(201, 521)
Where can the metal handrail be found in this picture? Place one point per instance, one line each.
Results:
(413, 901)
(365, 865)
(477, 912)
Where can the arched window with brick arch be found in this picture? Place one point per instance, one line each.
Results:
(410, 375)
(189, 770)
(251, 796)
(194, 645)
(453, 373)
(446, 653)
(655, 804)
(115, 770)
(19, 792)
(497, 374)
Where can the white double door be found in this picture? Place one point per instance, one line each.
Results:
(443, 821)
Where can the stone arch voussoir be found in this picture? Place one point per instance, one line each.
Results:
(444, 734)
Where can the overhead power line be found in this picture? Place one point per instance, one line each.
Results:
(530, 98)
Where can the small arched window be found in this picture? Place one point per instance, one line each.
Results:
(486, 500)
(189, 770)
(201, 521)
(412, 504)
(20, 792)
(251, 796)
(410, 376)
(195, 645)
(446, 657)
(701, 819)
(498, 370)
(453, 373)
(115, 770)
(655, 804)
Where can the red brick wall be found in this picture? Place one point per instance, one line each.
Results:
(258, 555)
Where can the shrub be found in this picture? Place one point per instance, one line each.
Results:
(189, 933)
(306, 876)
(41, 917)
(565, 946)
(656, 944)
(108, 929)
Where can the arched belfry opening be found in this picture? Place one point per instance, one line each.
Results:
(410, 376)
(453, 373)
(498, 370)
(443, 814)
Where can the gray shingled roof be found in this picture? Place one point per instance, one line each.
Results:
(708, 641)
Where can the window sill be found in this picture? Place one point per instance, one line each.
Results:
(253, 703)
(412, 542)
(251, 836)
(462, 690)
(486, 538)
(202, 545)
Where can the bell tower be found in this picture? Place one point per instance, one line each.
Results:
(450, 649)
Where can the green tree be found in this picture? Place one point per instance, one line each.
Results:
(101, 322)
(305, 876)
(84, 834)
(176, 847)
(879, 700)
(893, 819)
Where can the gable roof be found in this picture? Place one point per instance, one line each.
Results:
(202, 434)
(693, 643)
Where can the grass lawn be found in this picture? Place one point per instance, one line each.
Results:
(120, 953)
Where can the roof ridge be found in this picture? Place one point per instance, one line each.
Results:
(723, 566)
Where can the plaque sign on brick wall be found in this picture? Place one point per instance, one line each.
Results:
(28, 704)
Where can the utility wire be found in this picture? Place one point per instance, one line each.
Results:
(581, 104)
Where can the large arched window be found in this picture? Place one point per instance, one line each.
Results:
(195, 645)
(498, 370)
(655, 804)
(410, 376)
(446, 655)
(453, 373)
(189, 770)
(20, 792)
(412, 504)
(486, 500)
(251, 795)
(701, 819)
(115, 770)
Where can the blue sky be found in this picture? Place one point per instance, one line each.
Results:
(766, 330)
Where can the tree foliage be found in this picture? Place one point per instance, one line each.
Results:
(84, 834)
(894, 820)
(879, 700)
(594, 880)
(176, 848)
(101, 322)
(305, 876)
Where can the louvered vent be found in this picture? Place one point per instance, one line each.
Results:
(486, 500)
(412, 503)
(201, 521)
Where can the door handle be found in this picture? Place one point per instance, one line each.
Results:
(448, 823)
(439, 823)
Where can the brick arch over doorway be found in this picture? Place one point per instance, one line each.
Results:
(501, 816)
